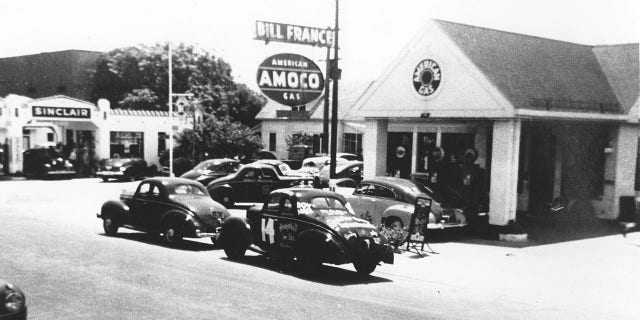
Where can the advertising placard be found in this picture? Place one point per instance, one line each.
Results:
(290, 79)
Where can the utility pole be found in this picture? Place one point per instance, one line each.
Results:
(170, 116)
(325, 119)
(335, 74)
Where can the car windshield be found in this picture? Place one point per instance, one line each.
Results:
(188, 189)
(322, 207)
(206, 166)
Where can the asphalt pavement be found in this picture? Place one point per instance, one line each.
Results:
(53, 247)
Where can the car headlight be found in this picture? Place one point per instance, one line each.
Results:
(68, 164)
(46, 165)
(14, 301)
(123, 169)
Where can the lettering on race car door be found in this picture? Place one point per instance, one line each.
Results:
(268, 230)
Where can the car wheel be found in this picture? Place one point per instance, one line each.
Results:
(131, 178)
(235, 251)
(365, 266)
(105, 179)
(110, 226)
(235, 238)
(171, 235)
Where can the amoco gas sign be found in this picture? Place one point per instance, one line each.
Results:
(290, 79)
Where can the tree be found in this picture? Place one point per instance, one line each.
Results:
(137, 78)
(218, 138)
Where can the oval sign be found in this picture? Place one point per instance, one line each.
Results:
(290, 79)
(426, 77)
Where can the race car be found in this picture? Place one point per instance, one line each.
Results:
(310, 225)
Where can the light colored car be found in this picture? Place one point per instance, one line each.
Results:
(321, 161)
(390, 201)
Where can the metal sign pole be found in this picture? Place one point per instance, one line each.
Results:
(170, 116)
(335, 74)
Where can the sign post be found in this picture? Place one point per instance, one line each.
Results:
(418, 225)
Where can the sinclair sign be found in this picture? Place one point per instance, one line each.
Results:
(290, 79)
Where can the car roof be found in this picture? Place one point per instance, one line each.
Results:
(308, 193)
(217, 161)
(168, 181)
(256, 165)
(391, 182)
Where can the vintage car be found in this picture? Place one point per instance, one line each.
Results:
(350, 169)
(129, 169)
(209, 170)
(46, 163)
(390, 201)
(14, 303)
(284, 169)
(314, 226)
(252, 183)
(173, 207)
(320, 162)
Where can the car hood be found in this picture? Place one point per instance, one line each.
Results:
(198, 204)
(348, 226)
(192, 174)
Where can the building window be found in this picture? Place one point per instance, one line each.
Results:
(70, 139)
(272, 141)
(162, 142)
(126, 144)
(17, 112)
(49, 136)
(352, 143)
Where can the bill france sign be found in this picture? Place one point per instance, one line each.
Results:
(291, 33)
(290, 79)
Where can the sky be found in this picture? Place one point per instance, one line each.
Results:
(372, 32)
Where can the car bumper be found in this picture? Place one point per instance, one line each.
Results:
(112, 174)
(200, 234)
(20, 315)
(60, 173)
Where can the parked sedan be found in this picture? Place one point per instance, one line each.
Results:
(252, 183)
(46, 163)
(129, 169)
(350, 169)
(209, 170)
(390, 201)
(314, 226)
(174, 207)
(14, 302)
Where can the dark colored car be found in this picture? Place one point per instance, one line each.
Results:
(129, 169)
(314, 226)
(175, 207)
(390, 201)
(46, 163)
(350, 169)
(14, 302)
(209, 170)
(252, 183)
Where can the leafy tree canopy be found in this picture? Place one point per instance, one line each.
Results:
(137, 78)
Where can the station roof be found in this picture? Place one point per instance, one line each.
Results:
(546, 74)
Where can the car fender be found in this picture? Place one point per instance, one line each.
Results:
(400, 210)
(116, 210)
(174, 216)
(324, 245)
(223, 187)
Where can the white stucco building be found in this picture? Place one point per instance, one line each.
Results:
(27, 123)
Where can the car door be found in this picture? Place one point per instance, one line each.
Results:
(245, 184)
(155, 207)
(363, 201)
(264, 230)
(385, 198)
(269, 181)
(140, 204)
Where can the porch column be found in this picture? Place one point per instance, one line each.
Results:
(374, 148)
(626, 152)
(504, 171)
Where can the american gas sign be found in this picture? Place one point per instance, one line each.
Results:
(290, 79)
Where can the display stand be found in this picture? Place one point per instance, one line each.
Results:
(418, 228)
